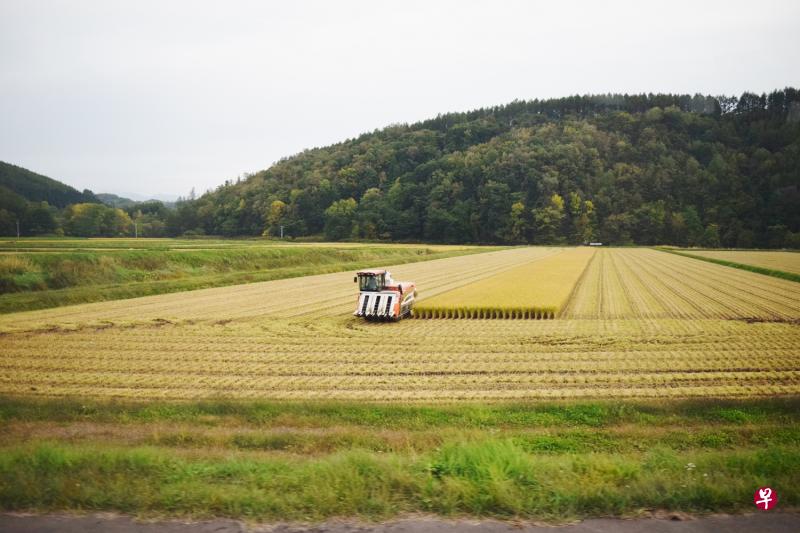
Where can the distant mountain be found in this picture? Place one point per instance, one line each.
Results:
(136, 197)
(34, 187)
(114, 200)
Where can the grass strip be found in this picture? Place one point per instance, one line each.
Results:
(741, 266)
(493, 477)
(325, 414)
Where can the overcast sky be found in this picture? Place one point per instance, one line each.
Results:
(157, 97)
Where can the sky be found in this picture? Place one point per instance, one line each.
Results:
(152, 98)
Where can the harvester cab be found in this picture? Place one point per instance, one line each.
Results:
(382, 298)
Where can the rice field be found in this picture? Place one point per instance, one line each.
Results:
(416, 360)
(637, 323)
(781, 261)
(643, 283)
(326, 295)
(536, 290)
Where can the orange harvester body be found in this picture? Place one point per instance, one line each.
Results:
(382, 298)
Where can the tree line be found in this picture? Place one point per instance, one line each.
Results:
(689, 170)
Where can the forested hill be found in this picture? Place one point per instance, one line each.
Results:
(644, 169)
(33, 187)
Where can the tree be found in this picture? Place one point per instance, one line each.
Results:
(275, 217)
(518, 225)
(96, 220)
(582, 219)
(711, 237)
(585, 226)
(677, 229)
(39, 219)
(115, 223)
(370, 215)
(494, 201)
(8, 223)
(547, 221)
(617, 228)
(650, 222)
(84, 220)
(693, 225)
(339, 218)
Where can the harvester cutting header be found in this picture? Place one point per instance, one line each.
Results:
(381, 297)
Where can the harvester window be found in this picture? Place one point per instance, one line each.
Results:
(371, 283)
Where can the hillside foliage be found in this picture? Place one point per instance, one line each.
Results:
(644, 169)
(622, 169)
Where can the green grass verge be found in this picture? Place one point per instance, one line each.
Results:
(494, 477)
(750, 268)
(50, 279)
(466, 415)
(311, 461)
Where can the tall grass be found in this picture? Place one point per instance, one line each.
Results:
(492, 477)
(316, 460)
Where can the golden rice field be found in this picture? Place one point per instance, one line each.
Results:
(636, 323)
(538, 289)
(784, 261)
(438, 360)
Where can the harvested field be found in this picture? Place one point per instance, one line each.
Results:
(339, 358)
(538, 289)
(642, 283)
(640, 323)
(781, 261)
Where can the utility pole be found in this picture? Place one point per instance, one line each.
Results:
(281, 231)
(135, 229)
(17, 228)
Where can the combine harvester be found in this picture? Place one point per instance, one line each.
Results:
(382, 298)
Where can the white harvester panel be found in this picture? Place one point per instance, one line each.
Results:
(375, 304)
(373, 307)
(363, 301)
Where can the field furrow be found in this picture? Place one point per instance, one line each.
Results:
(412, 360)
(631, 283)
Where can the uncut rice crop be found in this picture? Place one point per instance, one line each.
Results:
(537, 290)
